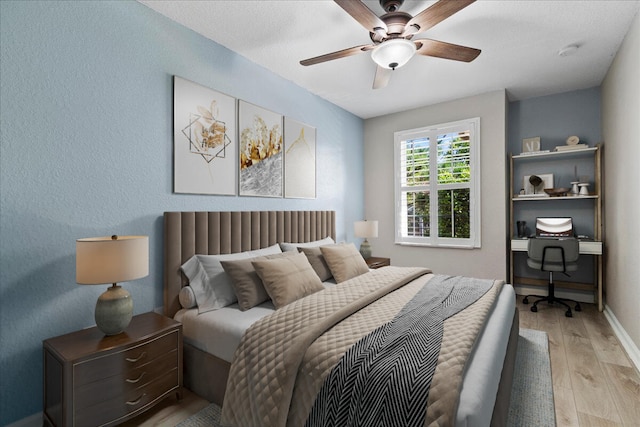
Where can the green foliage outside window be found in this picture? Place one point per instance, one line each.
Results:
(453, 204)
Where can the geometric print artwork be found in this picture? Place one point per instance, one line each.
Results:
(204, 140)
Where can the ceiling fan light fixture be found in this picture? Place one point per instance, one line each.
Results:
(393, 53)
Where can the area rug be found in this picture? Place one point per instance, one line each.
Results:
(531, 394)
(532, 389)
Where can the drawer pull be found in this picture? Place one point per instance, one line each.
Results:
(135, 380)
(135, 402)
(128, 359)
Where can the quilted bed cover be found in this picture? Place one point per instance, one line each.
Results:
(283, 359)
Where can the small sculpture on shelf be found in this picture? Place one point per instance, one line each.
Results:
(574, 188)
(584, 188)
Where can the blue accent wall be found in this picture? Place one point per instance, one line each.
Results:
(86, 150)
(554, 118)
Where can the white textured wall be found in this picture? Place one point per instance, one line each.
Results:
(620, 128)
(490, 261)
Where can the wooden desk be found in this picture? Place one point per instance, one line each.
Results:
(587, 247)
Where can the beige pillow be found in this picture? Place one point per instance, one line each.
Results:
(316, 259)
(344, 260)
(246, 283)
(288, 279)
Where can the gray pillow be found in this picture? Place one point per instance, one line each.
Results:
(211, 285)
(288, 279)
(246, 282)
(344, 260)
(316, 259)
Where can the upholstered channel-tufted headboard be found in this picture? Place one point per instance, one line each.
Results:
(212, 233)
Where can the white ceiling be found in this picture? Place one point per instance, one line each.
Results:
(519, 39)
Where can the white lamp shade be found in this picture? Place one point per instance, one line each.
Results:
(103, 260)
(393, 53)
(366, 229)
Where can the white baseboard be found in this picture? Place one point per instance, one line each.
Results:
(630, 347)
(34, 420)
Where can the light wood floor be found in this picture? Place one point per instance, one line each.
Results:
(594, 382)
(169, 412)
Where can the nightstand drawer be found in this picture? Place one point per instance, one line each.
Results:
(124, 362)
(95, 380)
(127, 403)
(122, 384)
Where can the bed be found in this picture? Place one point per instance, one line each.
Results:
(211, 339)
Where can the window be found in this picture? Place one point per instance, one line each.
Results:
(437, 181)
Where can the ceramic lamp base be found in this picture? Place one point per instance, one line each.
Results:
(114, 310)
(365, 249)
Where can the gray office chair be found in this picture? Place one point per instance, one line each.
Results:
(553, 255)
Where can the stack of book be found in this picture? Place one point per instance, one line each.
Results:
(571, 147)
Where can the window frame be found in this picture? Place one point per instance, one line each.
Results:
(431, 132)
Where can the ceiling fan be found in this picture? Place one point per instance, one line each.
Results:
(392, 35)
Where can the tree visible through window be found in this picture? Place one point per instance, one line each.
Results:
(449, 154)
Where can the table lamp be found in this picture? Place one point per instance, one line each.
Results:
(366, 229)
(104, 260)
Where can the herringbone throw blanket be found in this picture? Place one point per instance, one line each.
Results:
(384, 379)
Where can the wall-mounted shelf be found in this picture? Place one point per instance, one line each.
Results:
(564, 154)
(560, 204)
(553, 199)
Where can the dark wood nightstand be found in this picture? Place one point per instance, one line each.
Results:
(91, 379)
(377, 262)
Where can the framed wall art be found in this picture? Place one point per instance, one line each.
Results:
(299, 160)
(260, 151)
(204, 147)
(531, 145)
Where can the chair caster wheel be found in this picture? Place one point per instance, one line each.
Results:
(525, 300)
(568, 313)
(534, 308)
(577, 307)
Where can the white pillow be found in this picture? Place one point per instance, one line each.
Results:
(211, 286)
(287, 247)
(187, 298)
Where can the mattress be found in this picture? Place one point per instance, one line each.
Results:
(219, 333)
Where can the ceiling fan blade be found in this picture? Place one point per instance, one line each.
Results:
(361, 13)
(435, 14)
(445, 50)
(336, 55)
(382, 77)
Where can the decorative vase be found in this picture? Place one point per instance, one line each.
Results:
(574, 188)
(522, 229)
(584, 188)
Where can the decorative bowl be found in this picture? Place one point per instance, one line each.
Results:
(557, 192)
